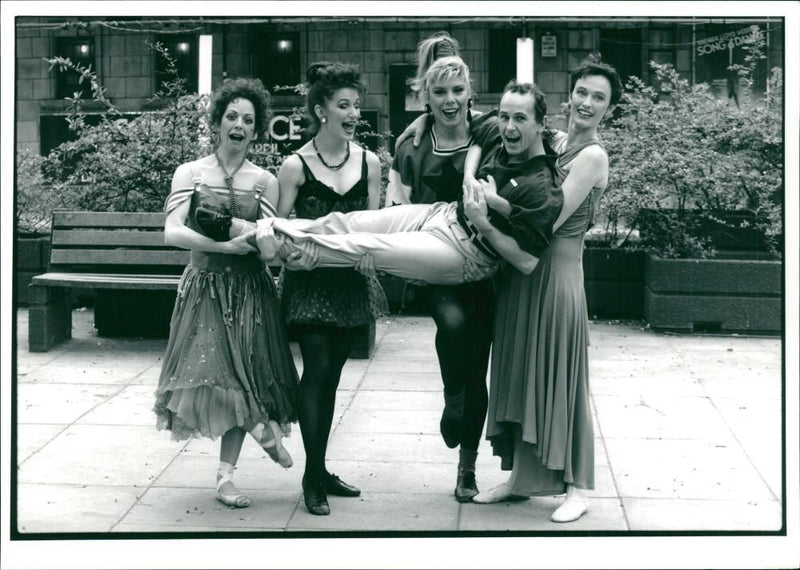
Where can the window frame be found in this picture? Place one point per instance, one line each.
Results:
(67, 81)
(170, 42)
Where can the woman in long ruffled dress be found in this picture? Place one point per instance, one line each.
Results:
(228, 369)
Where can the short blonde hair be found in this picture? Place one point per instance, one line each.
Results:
(442, 70)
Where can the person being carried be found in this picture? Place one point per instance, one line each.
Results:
(437, 243)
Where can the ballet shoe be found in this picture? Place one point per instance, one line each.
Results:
(570, 510)
(499, 494)
(273, 447)
(233, 500)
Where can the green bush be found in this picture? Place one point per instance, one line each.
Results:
(680, 158)
(126, 165)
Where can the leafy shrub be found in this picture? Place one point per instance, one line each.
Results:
(127, 165)
(680, 158)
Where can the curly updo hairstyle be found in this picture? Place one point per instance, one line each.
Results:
(241, 88)
(324, 79)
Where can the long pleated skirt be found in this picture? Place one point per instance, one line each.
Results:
(539, 416)
(228, 362)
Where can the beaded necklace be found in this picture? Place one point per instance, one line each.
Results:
(332, 166)
(233, 204)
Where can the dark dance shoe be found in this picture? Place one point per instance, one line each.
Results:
(452, 420)
(336, 486)
(315, 498)
(213, 224)
(466, 488)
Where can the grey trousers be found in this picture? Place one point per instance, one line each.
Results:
(421, 242)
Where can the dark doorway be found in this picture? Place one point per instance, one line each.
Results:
(623, 50)
(403, 107)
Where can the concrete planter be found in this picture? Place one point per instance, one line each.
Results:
(613, 280)
(727, 295)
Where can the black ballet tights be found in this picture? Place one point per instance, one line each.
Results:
(325, 351)
(463, 315)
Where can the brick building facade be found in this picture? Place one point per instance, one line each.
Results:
(279, 50)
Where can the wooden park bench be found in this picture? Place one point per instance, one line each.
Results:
(122, 257)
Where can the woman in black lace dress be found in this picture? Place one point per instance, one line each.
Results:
(330, 173)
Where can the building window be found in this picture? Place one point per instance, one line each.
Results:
(184, 51)
(502, 58)
(276, 60)
(80, 51)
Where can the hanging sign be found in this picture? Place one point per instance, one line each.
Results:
(548, 45)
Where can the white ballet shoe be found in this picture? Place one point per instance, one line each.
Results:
(570, 510)
(498, 494)
(233, 500)
(269, 438)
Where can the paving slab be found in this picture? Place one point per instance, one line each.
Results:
(685, 469)
(687, 437)
(196, 507)
(533, 515)
(653, 416)
(259, 473)
(32, 437)
(413, 448)
(422, 400)
(391, 421)
(603, 380)
(70, 508)
(58, 373)
(389, 380)
(59, 403)
(111, 455)
(702, 514)
(383, 511)
(131, 406)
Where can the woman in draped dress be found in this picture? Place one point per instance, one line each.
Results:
(539, 418)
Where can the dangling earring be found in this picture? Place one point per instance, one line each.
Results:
(428, 109)
(469, 113)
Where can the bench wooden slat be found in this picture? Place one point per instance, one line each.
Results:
(107, 280)
(108, 238)
(109, 219)
(118, 257)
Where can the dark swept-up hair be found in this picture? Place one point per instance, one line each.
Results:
(539, 102)
(590, 67)
(324, 78)
(241, 88)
